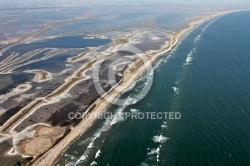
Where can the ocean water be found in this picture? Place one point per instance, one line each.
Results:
(207, 79)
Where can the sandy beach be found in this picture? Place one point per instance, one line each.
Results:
(100, 105)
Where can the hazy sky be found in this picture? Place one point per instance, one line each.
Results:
(193, 2)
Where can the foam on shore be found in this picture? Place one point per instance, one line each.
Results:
(189, 57)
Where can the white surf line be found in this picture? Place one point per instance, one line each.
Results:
(159, 139)
(189, 58)
(96, 156)
(118, 117)
(107, 126)
(205, 28)
(170, 54)
(85, 155)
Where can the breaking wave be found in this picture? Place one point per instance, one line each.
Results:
(189, 58)
(176, 90)
(160, 139)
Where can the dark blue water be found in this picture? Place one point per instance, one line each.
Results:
(60, 42)
(212, 75)
(56, 63)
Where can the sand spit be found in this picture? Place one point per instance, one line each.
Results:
(53, 53)
(8, 67)
(27, 38)
(82, 55)
(100, 105)
(40, 75)
(9, 58)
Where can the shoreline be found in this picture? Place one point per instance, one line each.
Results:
(100, 105)
(40, 75)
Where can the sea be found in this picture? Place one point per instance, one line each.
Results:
(205, 78)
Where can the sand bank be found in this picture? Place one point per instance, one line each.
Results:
(40, 75)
